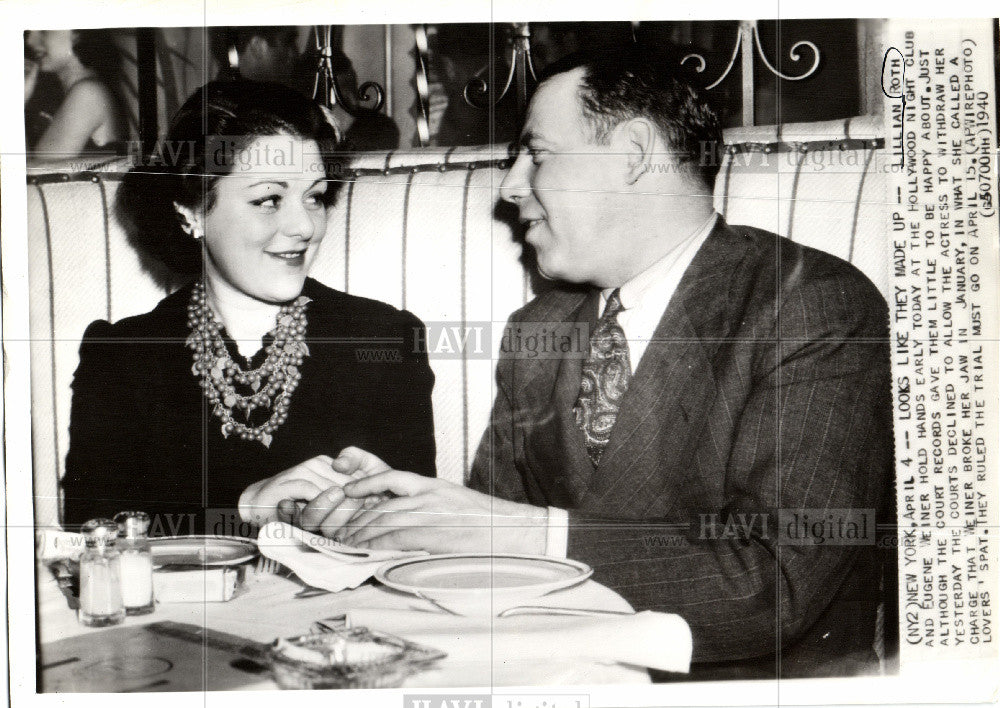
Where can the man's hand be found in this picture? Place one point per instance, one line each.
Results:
(304, 482)
(328, 511)
(440, 517)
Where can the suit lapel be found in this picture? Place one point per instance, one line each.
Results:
(579, 469)
(554, 447)
(674, 384)
(535, 372)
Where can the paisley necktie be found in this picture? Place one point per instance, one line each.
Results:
(606, 375)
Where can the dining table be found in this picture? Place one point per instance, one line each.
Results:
(204, 646)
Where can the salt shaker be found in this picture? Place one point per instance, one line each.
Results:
(100, 576)
(137, 562)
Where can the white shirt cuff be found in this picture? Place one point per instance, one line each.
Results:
(557, 533)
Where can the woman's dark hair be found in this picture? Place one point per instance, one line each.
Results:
(619, 85)
(96, 50)
(204, 141)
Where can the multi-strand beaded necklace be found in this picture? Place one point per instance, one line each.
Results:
(270, 385)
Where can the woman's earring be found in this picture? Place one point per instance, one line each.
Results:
(192, 230)
(190, 221)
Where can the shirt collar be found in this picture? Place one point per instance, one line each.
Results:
(644, 285)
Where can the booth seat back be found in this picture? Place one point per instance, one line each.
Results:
(421, 230)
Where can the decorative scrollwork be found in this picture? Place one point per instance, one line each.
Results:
(756, 41)
(328, 91)
(477, 89)
(422, 81)
(376, 88)
(729, 66)
(699, 57)
(793, 55)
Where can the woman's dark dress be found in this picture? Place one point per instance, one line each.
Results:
(143, 437)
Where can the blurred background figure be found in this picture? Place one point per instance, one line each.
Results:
(80, 112)
(274, 54)
(458, 53)
(261, 54)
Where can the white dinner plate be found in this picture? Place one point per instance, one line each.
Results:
(482, 583)
(201, 550)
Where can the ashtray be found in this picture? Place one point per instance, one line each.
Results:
(347, 658)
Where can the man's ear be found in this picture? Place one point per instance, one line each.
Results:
(638, 138)
(190, 219)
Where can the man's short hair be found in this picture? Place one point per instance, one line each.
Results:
(619, 85)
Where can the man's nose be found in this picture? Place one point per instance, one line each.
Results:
(515, 186)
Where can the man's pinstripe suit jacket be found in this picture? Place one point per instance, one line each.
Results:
(766, 387)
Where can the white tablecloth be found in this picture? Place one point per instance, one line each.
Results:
(267, 609)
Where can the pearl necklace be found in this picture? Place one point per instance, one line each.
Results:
(271, 384)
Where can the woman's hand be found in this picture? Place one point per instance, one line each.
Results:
(358, 463)
(329, 511)
(305, 482)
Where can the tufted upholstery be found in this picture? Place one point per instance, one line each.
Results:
(422, 230)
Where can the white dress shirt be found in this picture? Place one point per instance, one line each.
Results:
(644, 298)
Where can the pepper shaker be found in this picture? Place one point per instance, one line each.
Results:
(136, 562)
(100, 576)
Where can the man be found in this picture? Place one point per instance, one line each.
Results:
(730, 372)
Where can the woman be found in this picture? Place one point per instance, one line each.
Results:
(251, 378)
(89, 119)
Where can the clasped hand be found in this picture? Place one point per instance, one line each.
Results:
(359, 500)
(310, 494)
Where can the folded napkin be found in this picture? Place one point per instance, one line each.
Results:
(55, 544)
(650, 639)
(322, 562)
